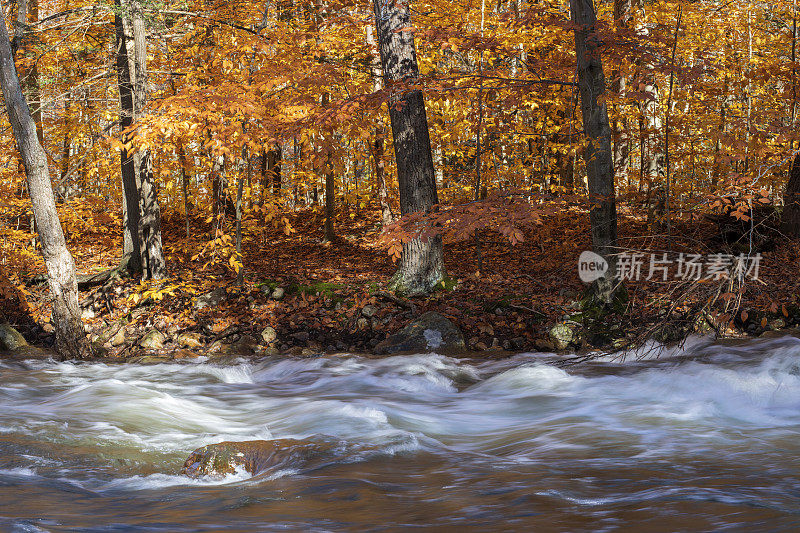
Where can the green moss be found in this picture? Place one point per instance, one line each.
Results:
(321, 288)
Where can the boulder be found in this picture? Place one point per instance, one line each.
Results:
(119, 338)
(150, 359)
(190, 339)
(211, 299)
(269, 335)
(429, 332)
(278, 293)
(10, 338)
(562, 335)
(182, 353)
(153, 340)
(253, 456)
(369, 311)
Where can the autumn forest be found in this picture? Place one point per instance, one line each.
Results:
(237, 177)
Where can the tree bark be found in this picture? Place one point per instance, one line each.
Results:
(422, 263)
(274, 165)
(71, 340)
(622, 20)
(132, 238)
(791, 200)
(599, 169)
(377, 145)
(330, 185)
(218, 195)
(155, 266)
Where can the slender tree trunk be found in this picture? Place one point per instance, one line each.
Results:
(591, 84)
(219, 196)
(66, 146)
(131, 202)
(422, 262)
(71, 340)
(274, 160)
(240, 273)
(27, 14)
(330, 185)
(330, 200)
(182, 161)
(622, 20)
(151, 212)
(377, 148)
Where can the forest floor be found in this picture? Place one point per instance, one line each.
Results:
(331, 297)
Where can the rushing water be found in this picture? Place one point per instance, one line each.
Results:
(704, 439)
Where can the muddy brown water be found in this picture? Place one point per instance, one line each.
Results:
(704, 438)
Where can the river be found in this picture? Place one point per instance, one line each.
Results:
(707, 437)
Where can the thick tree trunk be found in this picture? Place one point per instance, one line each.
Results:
(132, 238)
(591, 84)
(71, 340)
(422, 262)
(791, 200)
(155, 266)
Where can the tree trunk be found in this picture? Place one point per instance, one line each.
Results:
(155, 267)
(330, 185)
(185, 183)
(622, 20)
(27, 14)
(274, 159)
(422, 262)
(131, 209)
(218, 195)
(591, 84)
(377, 147)
(71, 340)
(330, 200)
(791, 200)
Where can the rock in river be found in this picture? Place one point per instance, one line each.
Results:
(429, 332)
(10, 338)
(254, 456)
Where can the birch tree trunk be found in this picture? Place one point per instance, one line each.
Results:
(599, 169)
(71, 340)
(422, 263)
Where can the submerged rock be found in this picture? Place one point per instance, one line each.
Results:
(10, 338)
(253, 456)
(429, 332)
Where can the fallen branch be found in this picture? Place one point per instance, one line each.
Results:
(394, 299)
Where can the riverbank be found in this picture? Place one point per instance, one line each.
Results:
(302, 296)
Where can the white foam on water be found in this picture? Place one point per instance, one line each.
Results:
(522, 410)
